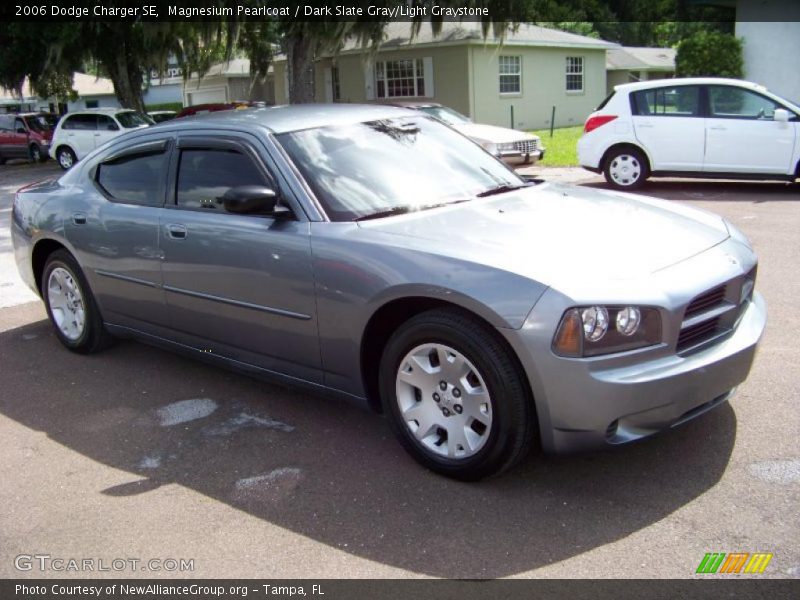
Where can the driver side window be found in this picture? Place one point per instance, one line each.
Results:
(737, 103)
(204, 175)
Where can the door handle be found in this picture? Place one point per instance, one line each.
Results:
(718, 127)
(645, 125)
(176, 231)
(79, 218)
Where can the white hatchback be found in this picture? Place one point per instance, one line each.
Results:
(692, 127)
(78, 133)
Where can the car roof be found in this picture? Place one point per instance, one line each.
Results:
(285, 118)
(653, 83)
(94, 111)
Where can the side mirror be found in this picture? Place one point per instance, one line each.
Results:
(113, 127)
(21, 129)
(781, 115)
(249, 199)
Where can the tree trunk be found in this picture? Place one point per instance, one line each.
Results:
(126, 75)
(300, 65)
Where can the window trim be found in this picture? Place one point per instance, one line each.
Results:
(518, 76)
(151, 147)
(582, 73)
(416, 76)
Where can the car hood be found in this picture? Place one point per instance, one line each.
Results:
(491, 133)
(563, 236)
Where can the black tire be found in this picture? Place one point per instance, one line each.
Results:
(513, 428)
(626, 168)
(36, 153)
(94, 336)
(66, 157)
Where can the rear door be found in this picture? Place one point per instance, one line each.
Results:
(6, 136)
(78, 133)
(668, 123)
(114, 228)
(19, 139)
(239, 285)
(742, 135)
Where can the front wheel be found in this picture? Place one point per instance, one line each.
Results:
(66, 158)
(456, 398)
(626, 169)
(71, 306)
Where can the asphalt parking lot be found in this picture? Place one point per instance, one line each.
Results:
(139, 453)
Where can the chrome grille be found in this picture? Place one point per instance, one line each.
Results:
(526, 146)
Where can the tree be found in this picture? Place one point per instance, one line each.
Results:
(709, 54)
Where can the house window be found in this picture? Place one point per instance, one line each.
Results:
(510, 69)
(336, 90)
(400, 78)
(574, 73)
(92, 103)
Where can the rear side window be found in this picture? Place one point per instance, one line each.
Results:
(675, 101)
(6, 123)
(204, 175)
(80, 122)
(134, 179)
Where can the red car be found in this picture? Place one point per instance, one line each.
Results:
(200, 109)
(25, 135)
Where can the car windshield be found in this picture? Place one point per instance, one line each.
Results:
(131, 119)
(38, 123)
(391, 166)
(444, 114)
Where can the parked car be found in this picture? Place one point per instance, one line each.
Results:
(692, 127)
(78, 133)
(25, 135)
(376, 254)
(201, 109)
(159, 116)
(512, 146)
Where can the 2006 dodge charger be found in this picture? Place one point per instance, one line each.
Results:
(372, 252)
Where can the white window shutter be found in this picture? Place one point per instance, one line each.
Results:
(427, 65)
(369, 80)
(328, 85)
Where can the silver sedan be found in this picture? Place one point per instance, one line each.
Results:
(374, 254)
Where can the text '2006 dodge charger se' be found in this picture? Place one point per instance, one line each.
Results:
(374, 253)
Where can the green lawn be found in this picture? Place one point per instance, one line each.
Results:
(562, 147)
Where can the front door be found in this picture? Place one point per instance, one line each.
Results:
(742, 135)
(238, 285)
(669, 125)
(107, 129)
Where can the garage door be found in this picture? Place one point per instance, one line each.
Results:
(210, 96)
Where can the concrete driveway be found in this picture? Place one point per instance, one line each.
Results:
(139, 453)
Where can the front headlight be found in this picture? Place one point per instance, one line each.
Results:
(490, 147)
(506, 147)
(595, 330)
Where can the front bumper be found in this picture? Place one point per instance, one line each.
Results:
(513, 157)
(589, 403)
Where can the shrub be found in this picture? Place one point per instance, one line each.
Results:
(709, 54)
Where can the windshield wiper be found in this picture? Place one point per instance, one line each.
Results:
(501, 189)
(399, 210)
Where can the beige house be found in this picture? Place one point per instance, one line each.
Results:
(227, 82)
(92, 92)
(625, 64)
(514, 82)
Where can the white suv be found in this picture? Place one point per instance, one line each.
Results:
(78, 133)
(694, 127)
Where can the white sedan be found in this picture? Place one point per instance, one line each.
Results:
(512, 146)
(692, 127)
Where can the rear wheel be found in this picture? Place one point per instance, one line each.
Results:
(456, 398)
(626, 169)
(66, 157)
(71, 305)
(36, 153)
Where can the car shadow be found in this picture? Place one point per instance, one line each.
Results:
(332, 472)
(756, 192)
